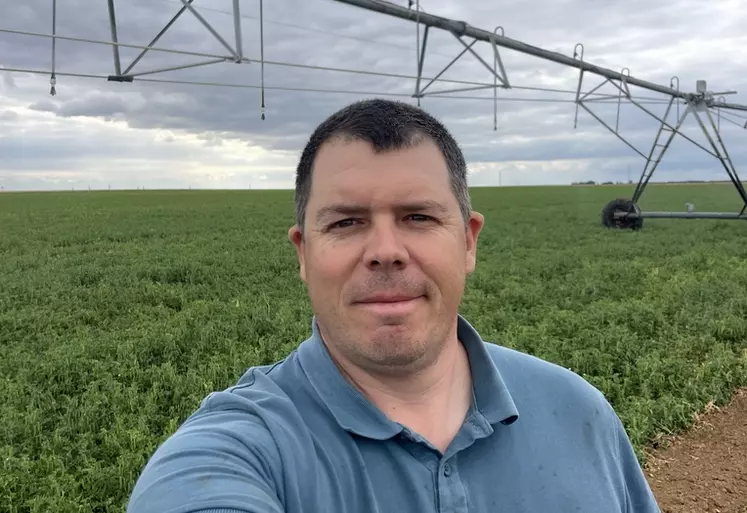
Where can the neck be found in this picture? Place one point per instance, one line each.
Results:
(432, 401)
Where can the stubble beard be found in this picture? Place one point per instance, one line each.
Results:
(387, 350)
(387, 346)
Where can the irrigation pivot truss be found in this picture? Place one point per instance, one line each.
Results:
(702, 104)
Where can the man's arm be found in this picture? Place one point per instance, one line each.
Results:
(640, 498)
(219, 461)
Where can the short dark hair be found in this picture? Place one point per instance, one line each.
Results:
(387, 125)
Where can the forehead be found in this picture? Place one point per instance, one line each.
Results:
(352, 171)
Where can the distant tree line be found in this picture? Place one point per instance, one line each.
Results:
(630, 182)
(592, 182)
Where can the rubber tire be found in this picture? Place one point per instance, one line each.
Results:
(621, 205)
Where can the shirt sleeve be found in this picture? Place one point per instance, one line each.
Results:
(639, 497)
(218, 461)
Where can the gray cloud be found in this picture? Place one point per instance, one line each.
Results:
(8, 115)
(656, 41)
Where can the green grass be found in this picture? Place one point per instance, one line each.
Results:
(120, 311)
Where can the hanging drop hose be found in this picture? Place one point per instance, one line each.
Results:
(53, 78)
(417, 49)
(262, 55)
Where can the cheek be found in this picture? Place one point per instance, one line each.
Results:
(445, 268)
(444, 256)
(328, 265)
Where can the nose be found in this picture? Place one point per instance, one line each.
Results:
(385, 249)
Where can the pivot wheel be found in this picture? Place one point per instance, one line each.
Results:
(614, 215)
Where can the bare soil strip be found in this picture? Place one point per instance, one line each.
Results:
(704, 470)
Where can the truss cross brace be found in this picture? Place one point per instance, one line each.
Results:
(724, 158)
(501, 77)
(648, 169)
(235, 54)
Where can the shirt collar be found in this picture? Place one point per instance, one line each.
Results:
(355, 413)
(492, 397)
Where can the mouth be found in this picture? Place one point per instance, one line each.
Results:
(387, 298)
(390, 305)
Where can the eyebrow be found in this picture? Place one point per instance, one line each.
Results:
(352, 209)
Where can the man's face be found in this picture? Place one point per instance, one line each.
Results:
(385, 253)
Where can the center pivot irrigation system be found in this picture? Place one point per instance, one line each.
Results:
(618, 213)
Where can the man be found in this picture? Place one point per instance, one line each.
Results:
(394, 403)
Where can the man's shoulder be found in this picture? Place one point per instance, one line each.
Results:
(531, 378)
(231, 449)
(551, 398)
(263, 391)
(567, 419)
(513, 361)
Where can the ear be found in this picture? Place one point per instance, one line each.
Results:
(473, 228)
(295, 235)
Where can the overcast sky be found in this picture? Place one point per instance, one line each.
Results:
(153, 134)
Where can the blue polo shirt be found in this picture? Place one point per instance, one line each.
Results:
(296, 437)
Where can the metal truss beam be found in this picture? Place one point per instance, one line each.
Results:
(686, 215)
(461, 28)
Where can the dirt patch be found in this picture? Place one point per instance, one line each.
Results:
(704, 470)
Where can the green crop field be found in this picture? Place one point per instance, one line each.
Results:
(121, 311)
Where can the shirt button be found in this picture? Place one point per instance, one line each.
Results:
(447, 470)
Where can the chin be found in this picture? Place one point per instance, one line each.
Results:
(394, 328)
(395, 351)
(395, 337)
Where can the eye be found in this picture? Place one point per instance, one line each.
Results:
(420, 217)
(342, 224)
